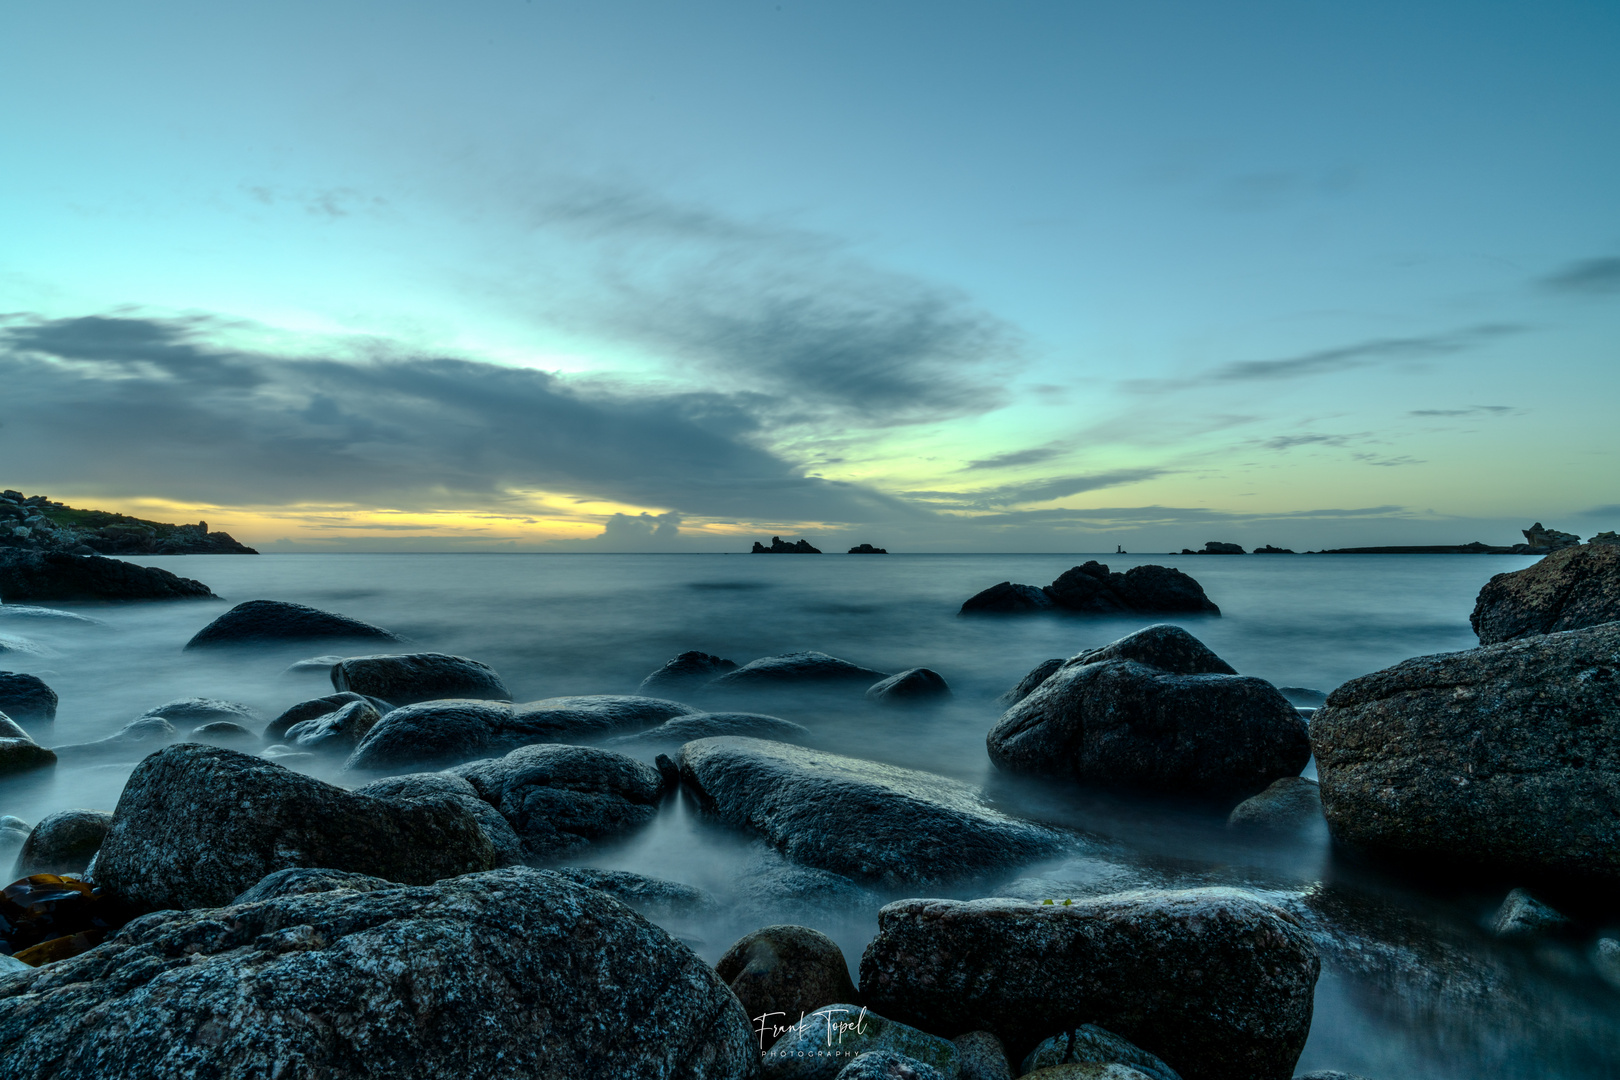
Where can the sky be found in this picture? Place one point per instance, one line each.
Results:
(622, 276)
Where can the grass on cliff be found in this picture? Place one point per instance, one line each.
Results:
(95, 519)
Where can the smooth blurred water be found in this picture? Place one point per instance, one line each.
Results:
(584, 624)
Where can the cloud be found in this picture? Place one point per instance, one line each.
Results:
(1590, 276)
(1057, 487)
(1472, 410)
(1288, 442)
(1361, 354)
(149, 406)
(1017, 457)
(788, 313)
(622, 532)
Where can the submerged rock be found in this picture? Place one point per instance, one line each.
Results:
(515, 973)
(1570, 589)
(224, 733)
(1154, 711)
(336, 732)
(1092, 589)
(1290, 805)
(909, 687)
(19, 753)
(196, 825)
(1006, 598)
(263, 621)
(829, 1039)
(26, 698)
(683, 729)
(1215, 982)
(1505, 756)
(134, 740)
(780, 973)
(315, 708)
(51, 575)
(62, 843)
(559, 799)
(794, 670)
(197, 710)
(686, 672)
(1522, 915)
(407, 678)
(858, 818)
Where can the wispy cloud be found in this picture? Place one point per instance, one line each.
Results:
(1034, 491)
(1597, 276)
(1033, 456)
(1472, 410)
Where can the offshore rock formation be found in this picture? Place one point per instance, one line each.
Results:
(1091, 589)
(780, 547)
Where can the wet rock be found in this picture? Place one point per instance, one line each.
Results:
(858, 818)
(50, 575)
(1037, 675)
(911, 686)
(313, 709)
(1523, 916)
(829, 1039)
(867, 549)
(1215, 982)
(10, 965)
(684, 673)
(21, 754)
(560, 799)
(653, 897)
(514, 973)
(260, 622)
(26, 611)
(336, 732)
(1606, 961)
(224, 733)
(1303, 696)
(794, 670)
(983, 1057)
(302, 880)
(26, 698)
(684, 729)
(1290, 805)
(42, 908)
(196, 825)
(1090, 588)
(415, 787)
(1006, 598)
(442, 733)
(408, 678)
(1541, 538)
(134, 740)
(1505, 756)
(311, 665)
(1568, 590)
(62, 843)
(781, 973)
(1093, 1045)
(1609, 537)
(888, 1065)
(190, 711)
(1155, 711)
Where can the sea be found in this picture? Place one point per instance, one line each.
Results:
(1414, 984)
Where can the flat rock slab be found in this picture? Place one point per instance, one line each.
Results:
(1505, 756)
(512, 974)
(50, 575)
(264, 621)
(1568, 590)
(406, 678)
(1216, 982)
(196, 825)
(859, 818)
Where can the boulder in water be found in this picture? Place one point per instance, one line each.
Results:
(1506, 756)
(793, 670)
(315, 708)
(685, 672)
(191, 711)
(1215, 982)
(26, 698)
(910, 687)
(1090, 588)
(1570, 589)
(339, 731)
(780, 973)
(224, 733)
(407, 678)
(263, 621)
(51, 575)
(1290, 805)
(1154, 711)
(134, 740)
(19, 753)
(680, 730)
(1006, 598)
(62, 843)
(512, 973)
(197, 824)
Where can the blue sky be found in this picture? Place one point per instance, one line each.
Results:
(954, 276)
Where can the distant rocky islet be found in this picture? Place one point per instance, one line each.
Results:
(258, 876)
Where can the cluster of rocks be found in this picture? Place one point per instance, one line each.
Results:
(37, 523)
(867, 549)
(1216, 547)
(782, 547)
(1091, 589)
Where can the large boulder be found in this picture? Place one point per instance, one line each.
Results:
(261, 621)
(562, 798)
(412, 787)
(858, 818)
(196, 825)
(685, 672)
(1215, 982)
(1568, 590)
(435, 734)
(793, 670)
(26, 698)
(1154, 711)
(780, 973)
(62, 843)
(512, 974)
(1006, 598)
(190, 711)
(1037, 675)
(1506, 755)
(1091, 589)
(406, 678)
(914, 686)
(19, 753)
(52, 575)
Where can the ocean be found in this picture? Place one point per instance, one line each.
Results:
(1414, 985)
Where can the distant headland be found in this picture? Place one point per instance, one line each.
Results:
(37, 523)
(1538, 541)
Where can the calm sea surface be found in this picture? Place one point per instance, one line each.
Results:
(1442, 1000)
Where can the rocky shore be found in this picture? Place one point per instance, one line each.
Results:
(428, 914)
(36, 523)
